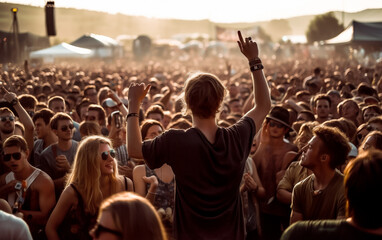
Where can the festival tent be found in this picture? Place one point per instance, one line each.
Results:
(63, 50)
(359, 33)
(103, 46)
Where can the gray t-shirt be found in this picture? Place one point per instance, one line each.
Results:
(48, 159)
(13, 228)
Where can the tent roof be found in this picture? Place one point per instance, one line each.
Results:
(94, 41)
(359, 32)
(64, 50)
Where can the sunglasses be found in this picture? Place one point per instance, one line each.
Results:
(98, 229)
(7, 118)
(66, 127)
(275, 124)
(105, 155)
(16, 156)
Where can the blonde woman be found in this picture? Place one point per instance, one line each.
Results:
(93, 178)
(128, 216)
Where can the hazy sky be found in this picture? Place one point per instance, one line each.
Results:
(215, 10)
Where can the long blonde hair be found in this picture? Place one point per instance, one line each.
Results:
(86, 172)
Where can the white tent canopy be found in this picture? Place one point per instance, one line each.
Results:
(344, 37)
(63, 50)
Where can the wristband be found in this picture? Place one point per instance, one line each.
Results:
(254, 61)
(256, 67)
(131, 115)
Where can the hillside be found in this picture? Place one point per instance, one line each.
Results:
(72, 23)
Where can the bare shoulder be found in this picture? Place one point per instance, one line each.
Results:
(139, 170)
(44, 179)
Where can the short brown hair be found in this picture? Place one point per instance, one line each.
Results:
(16, 141)
(147, 124)
(57, 117)
(204, 94)
(335, 144)
(6, 110)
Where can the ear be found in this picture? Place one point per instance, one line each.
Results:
(325, 158)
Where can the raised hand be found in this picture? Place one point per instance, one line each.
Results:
(248, 47)
(138, 91)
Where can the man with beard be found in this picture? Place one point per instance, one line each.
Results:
(268, 159)
(56, 159)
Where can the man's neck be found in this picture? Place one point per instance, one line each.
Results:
(50, 139)
(322, 178)
(64, 145)
(207, 126)
(5, 136)
(25, 173)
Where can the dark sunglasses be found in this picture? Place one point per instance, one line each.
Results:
(105, 154)
(66, 127)
(276, 124)
(98, 229)
(7, 118)
(16, 156)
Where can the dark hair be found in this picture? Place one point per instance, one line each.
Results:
(363, 181)
(55, 98)
(335, 144)
(89, 87)
(146, 124)
(46, 114)
(309, 114)
(322, 97)
(180, 124)
(341, 104)
(378, 139)
(375, 107)
(101, 112)
(84, 102)
(57, 117)
(154, 109)
(28, 101)
(16, 141)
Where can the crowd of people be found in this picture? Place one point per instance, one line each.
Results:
(245, 147)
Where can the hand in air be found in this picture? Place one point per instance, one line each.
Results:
(248, 47)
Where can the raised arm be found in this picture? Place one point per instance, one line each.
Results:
(137, 92)
(24, 117)
(260, 87)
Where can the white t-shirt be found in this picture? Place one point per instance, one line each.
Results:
(13, 228)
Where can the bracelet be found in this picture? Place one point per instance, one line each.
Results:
(254, 61)
(256, 67)
(131, 115)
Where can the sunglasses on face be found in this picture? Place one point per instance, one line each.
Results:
(16, 156)
(276, 124)
(7, 118)
(105, 155)
(98, 229)
(66, 127)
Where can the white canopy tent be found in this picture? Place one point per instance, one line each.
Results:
(63, 50)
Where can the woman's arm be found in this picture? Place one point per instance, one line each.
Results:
(65, 203)
(140, 181)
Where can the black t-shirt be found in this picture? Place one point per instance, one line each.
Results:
(327, 230)
(208, 175)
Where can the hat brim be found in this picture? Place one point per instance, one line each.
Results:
(280, 121)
